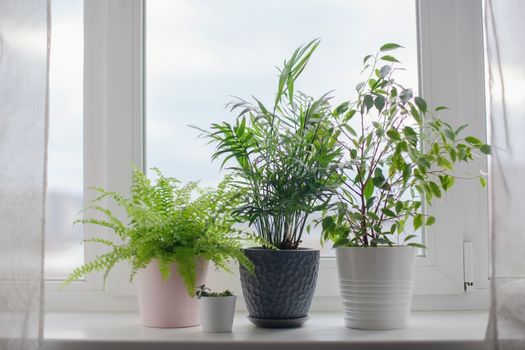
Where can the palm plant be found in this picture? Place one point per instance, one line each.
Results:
(282, 156)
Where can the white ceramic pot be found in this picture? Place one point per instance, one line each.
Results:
(216, 313)
(376, 286)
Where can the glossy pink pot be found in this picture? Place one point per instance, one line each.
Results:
(166, 303)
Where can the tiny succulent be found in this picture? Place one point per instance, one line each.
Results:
(204, 291)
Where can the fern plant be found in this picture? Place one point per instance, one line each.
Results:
(171, 222)
(281, 156)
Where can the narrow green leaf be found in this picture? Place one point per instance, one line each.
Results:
(390, 46)
(388, 212)
(473, 140)
(441, 108)
(343, 107)
(369, 190)
(418, 221)
(389, 58)
(417, 245)
(421, 104)
(409, 237)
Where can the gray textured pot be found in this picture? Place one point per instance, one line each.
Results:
(283, 284)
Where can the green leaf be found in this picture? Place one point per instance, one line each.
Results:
(379, 102)
(409, 237)
(473, 140)
(399, 206)
(407, 171)
(460, 129)
(378, 181)
(430, 221)
(450, 134)
(410, 134)
(390, 46)
(369, 190)
(343, 107)
(418, 221)
(485, 149)
(349, 114)
(441, 108)
(421, 104)
(483, 181)
(435, 189)
(406, 95)
(393, 134)
(417, 245)
(388, 212)
(368, 101)
(389, 58)
(446, 181)
(367, 57)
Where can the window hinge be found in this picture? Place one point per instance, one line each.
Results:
(468, 265)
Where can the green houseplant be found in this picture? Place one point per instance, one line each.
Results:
(216, 309)
(171, 233)
(397, 155)
(281, 158)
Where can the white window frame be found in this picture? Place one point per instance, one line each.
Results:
(114, 139)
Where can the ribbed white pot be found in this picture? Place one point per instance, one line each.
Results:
(376, 286)
(216, 313)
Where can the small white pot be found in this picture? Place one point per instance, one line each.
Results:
(216, 313)
(376, 286)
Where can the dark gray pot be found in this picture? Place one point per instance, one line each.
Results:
(283, 284)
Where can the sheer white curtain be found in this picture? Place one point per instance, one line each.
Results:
(24, 49)
(505, 35)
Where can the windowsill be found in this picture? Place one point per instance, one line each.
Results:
(439, 329)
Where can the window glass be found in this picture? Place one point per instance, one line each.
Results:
(65, 153)
(200, 52)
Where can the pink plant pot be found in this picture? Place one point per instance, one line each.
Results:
(166, 303)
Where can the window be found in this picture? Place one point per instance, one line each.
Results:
(65, 154)
(200, 52)
(191, 59)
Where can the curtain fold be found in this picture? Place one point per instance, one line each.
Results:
(24, 52)
(505, 31)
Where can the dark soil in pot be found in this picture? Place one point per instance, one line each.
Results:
(283, 284)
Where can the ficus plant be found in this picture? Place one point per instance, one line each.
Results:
(168, 221)
(281, 156)
(397, 155)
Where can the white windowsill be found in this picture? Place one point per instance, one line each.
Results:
(430, 329)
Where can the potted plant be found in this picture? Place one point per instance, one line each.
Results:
(397, 155)
(282, 156)
(216, 309)
(171, 233)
